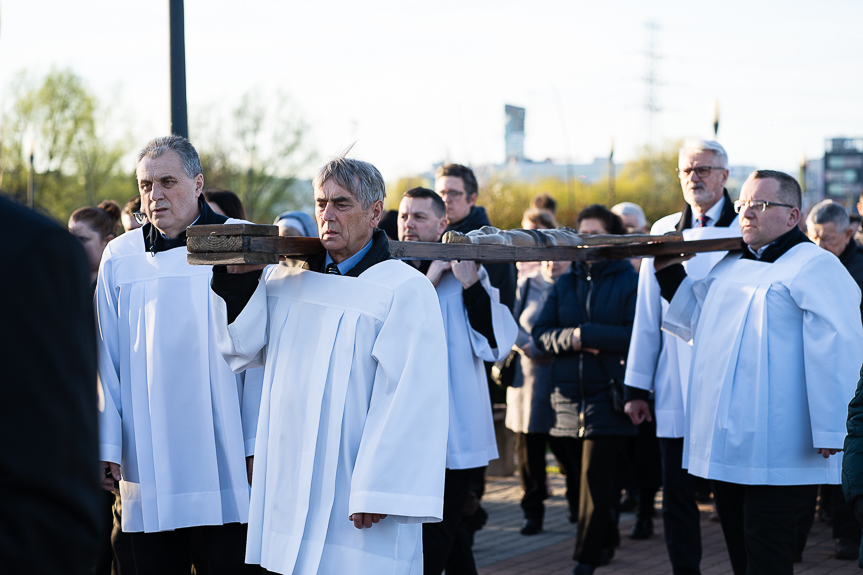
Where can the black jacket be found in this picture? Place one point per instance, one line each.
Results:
(852, 259)
(600, 299)
(154, 242)
(51, 512)
(726, 216)
(502, 276)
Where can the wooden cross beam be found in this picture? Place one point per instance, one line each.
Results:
(231, 244)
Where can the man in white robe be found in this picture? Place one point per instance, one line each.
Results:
(774, 363)
(478, 328)
(176, 425)
(659, 363)
(351, 443)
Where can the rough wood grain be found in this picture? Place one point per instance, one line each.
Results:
(232, 230)
(231, 258)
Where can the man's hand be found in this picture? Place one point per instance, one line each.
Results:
(244, 268)
(250, 463)
(661, 262)
(111, 473)
(576, 339)
(638, 411)
(466, 272)
(825, 453)
(436, 270)
(365, 519)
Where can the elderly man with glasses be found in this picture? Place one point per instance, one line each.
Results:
(774, 363)
(658, 365)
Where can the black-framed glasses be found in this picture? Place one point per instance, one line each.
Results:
(760, 205)
(455, 194)
(701, 171)
(140, 217)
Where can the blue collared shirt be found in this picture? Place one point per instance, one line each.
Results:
(349, 263)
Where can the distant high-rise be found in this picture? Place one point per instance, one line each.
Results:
(514, 133)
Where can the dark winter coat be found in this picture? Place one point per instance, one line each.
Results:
(600, 299)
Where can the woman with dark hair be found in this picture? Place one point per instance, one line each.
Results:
(585, 325)
(95, 227)
(226, 203)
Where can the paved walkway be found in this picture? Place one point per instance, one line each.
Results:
(500, 549)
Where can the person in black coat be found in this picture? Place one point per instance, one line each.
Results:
(586, 325)
(50, 499)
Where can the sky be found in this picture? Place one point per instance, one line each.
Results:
(422, 82)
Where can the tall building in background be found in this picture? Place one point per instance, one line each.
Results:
(843, 170)
(514, 134)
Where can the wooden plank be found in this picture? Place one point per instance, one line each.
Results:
(286, 246)
(609, 240)
(231, 258)
(664, 249)
(232, 230)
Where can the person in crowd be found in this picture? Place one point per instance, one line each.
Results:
(528, 401)
(658, 364)
(457, 186)
(632, 216)
(858, 231)
(852, 460)
(51, 512)
(296, 223)
(534, 219)
(95, 227)
(478, 327)
(389, 224)
(586, 324)
(225, 203)
(176, 425)
(780, 360)
(351, 462)
(829, 227)
(544, 202)
(128, 218)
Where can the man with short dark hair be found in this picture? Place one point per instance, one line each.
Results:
(773, 366)
(176, 424)
(353, 425)
(660, 364)
(478, 327)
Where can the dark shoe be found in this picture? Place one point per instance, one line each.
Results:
(642, 529)
(583, 569)
(846, 549)
(531, 527)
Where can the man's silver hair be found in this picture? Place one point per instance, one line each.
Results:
(361, 179)
(630, 209)
(696, 146)
(188, 155)
(826, 212)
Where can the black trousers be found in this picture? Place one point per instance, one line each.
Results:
(530, 452)
(212, 549)
(680, 516)
(598, 499)
(646, 460)
(440, 539)
(758, 525)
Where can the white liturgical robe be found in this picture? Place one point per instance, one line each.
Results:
(658, 362)
(775, 362)
(173, 414)
(471, 442)
(353, 416)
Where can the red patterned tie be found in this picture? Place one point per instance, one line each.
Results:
(702, 221)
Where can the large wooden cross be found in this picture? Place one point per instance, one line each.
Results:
(231, 244)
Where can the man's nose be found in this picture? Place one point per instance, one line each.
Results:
(327, 213)
(157, 193)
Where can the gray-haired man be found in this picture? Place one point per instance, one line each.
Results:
(176, 424)
(354, 413)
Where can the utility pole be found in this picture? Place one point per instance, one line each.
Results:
(611, 175)
(31, 182)
(179, 112)
(651, 81)
(715, 119)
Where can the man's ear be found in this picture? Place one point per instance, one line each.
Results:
(441, 226)
(377, 209)
(199, 185)
(793, 217)
(471, 199)
(848, 233)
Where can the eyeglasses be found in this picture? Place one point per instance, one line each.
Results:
(454, 194)
(756, 205)
(140, 217)
(701, 171)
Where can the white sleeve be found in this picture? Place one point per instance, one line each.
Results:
(108, 336)
(503, 324)
(242, 342)
(253, 384)
(684, 310)
(646, 343)
(832, 345)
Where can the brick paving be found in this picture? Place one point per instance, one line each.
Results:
(499, 548)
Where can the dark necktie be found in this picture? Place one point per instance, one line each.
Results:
(332, 268)
(702, 221)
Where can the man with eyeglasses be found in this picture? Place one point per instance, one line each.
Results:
(660, 364)
(774, 363)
